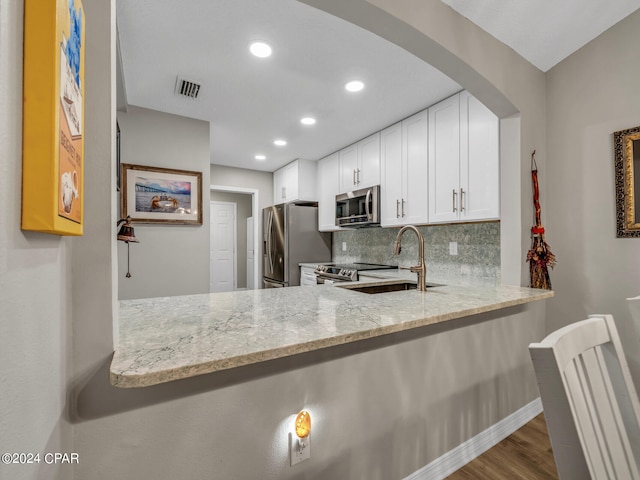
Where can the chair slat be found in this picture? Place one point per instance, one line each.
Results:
(590, 402)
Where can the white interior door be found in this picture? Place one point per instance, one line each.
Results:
(250, 255)
(223, 247)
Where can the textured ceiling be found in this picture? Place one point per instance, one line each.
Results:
(544, 31)
(250, 102)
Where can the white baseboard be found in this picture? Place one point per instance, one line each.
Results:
(455, 459)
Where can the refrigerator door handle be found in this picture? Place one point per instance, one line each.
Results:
(271, 243)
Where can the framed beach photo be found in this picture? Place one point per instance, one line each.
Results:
(161, 195)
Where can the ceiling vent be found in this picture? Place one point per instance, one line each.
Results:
(187, 88)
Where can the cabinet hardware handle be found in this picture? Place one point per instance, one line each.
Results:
(455, 209)
(397, 208)
(403, 208)
(358, 176)
(354, 176)
(284, 192)
(462, 199)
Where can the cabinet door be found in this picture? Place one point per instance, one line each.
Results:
(391, 175)
(368, 169)
(291, 182)
(307, 277)
(328, 188)
(307, 180)
(415, 166)
(348, 168)
(479, 161)
(444, 160)
(279, 188)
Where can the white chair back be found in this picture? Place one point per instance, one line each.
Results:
(590, 403)
(634, 308)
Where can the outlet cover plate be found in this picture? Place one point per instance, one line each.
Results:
(453, 248)
(297, 454)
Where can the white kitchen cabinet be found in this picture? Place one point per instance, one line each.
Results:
(307, 277)
(360, 164)
(328, 188)
(444, 160)
(463, 161)
(295, 182)
(479, 160)
(404, 171)
(391, 175)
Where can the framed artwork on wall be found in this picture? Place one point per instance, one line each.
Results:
(627, 180)
(118, 169)
(161, 195)
(53, 117)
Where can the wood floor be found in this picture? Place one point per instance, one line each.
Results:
(526, 454)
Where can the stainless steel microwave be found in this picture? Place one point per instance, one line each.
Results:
(360, 208)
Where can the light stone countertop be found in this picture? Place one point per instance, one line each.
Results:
(170, 338)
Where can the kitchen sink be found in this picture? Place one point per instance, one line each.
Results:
(385, 287)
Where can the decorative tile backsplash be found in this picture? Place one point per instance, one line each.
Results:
(478, 256)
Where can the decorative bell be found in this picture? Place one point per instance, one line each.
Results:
(127, 235)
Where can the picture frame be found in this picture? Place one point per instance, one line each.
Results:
(627, 182)
(53, 189)
(161, 195)
(118, 162)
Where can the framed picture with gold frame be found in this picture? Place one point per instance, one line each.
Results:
(161, 195)
(53, 117)
(627, 182)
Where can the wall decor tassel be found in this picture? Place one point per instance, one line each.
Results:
(539, 255)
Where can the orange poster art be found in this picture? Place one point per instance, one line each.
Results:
(53, 170)
(71, 145)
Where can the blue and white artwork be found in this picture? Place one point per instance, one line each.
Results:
(74, 42)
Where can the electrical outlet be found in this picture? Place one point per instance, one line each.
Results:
(344, 246)
(300, 449)
(453, 248)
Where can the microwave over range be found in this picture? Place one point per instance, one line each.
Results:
(359, 208)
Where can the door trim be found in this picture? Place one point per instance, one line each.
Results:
(255, 212)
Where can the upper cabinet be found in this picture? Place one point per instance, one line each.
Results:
(440, 165)
(463, 161)
(295, 182)
(479, 159)
(328, 188)
(360, 164)
(404, 172)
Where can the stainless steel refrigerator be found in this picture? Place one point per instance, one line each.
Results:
(290, 237)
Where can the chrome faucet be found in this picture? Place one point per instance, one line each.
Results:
(421, 268)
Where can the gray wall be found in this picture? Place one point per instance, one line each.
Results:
(243, 206)
(243, 178)
(35, 291)
(592, 94)
(170, 259)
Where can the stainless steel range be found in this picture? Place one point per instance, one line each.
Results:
(346, 272)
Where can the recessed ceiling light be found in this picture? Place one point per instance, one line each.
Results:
(354, 86)
(280, 143)
(260, 49)
(260, 157)
(308, 121)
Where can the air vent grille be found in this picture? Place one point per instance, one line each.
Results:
(187, 88)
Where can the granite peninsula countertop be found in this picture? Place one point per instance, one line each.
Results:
(170, 338)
